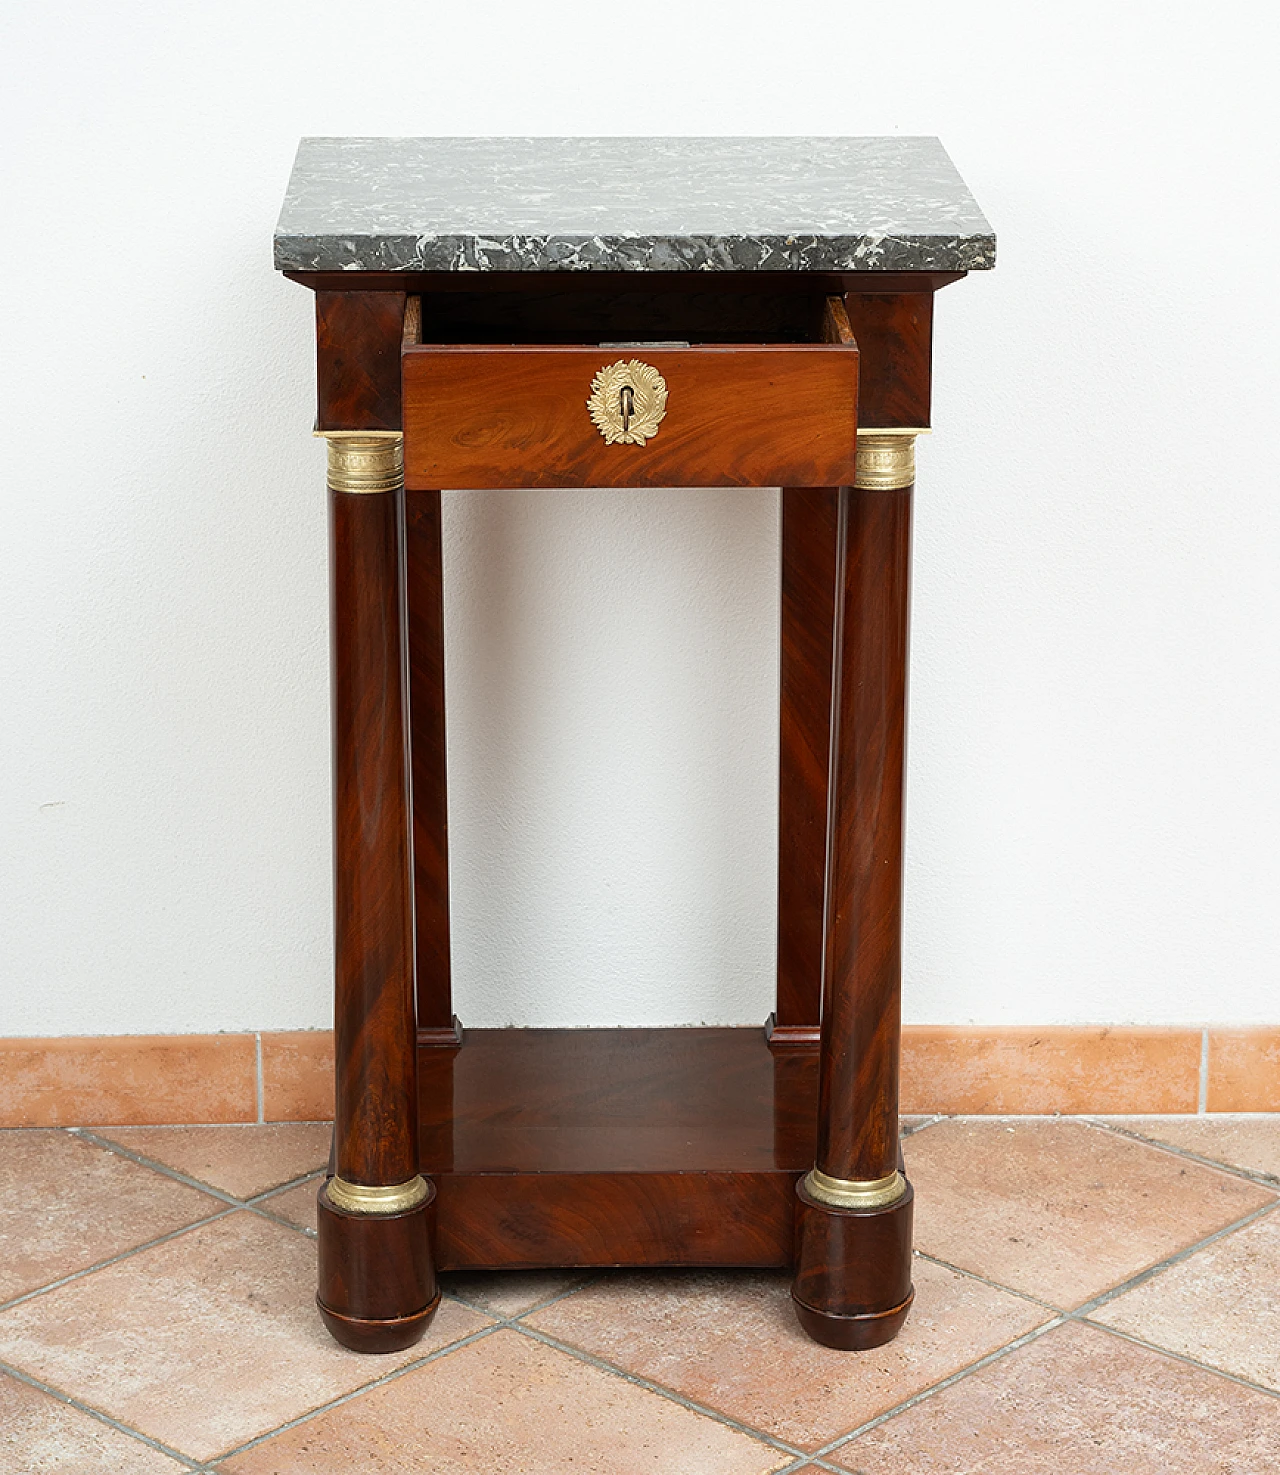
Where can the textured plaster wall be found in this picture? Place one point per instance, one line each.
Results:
(1093, 776)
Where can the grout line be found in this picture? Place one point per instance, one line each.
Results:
(580, 1284)
(920, 1126)
(254, 1204)
(602, 1365)
(1141, 1278)
(1204, 1367)
(1251, 1175)
(516, 1323)
(256, 1199)
(1201, 1103)
(802, 1458)
(324, 1408)
(810, 1462)
(994, 1284)
(257, 1051)
(261, 1204)
(1061, 1318)
(158, 1167)
(128, 1254)
(985, 1361)
(500, 1323)
(96, 1413)
(302, 1229)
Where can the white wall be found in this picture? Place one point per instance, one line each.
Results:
(1093, 777)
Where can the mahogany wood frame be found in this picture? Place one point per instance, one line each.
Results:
(652, 1147)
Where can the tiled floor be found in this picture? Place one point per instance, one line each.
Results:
(1093, 1296)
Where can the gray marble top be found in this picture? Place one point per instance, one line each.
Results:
(629, 204)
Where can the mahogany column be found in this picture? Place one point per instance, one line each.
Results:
(377, 1284)
(853, 1244)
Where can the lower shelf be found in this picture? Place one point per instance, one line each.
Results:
(616, 1147)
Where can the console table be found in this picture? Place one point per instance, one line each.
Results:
(501, 313)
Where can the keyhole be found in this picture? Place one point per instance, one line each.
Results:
(627, 398)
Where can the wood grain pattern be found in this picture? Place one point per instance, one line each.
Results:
(424, 603)
(807, 616)
(374, 1017)
(807, 622)
(862, 970)
(627, 1100)
(668, 1147)
(895, 339)
(616, 1147)
(745, 415)
(377, 1287)
(526, 1221)
(852, 1287)
(377, 1290)
(358, 336)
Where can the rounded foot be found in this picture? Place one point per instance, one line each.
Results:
(852, 1288)
(377, 1277)
(852, 1333)
(363, 1335)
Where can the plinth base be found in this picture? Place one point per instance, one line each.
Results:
(581, 1148)
(362, 1335)
(377, 1285)
(853, 1270)
(620, 1147)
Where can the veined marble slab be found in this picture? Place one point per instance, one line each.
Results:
(629, 204)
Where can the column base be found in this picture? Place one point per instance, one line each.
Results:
(378, 1288)
(852, 1333)
(791, 1036)
(852, 1288)
(360, 1335)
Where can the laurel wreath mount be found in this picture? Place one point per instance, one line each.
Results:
(622, 418)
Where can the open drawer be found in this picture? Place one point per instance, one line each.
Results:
(631, 414)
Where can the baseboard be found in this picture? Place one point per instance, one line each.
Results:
(287, 1076)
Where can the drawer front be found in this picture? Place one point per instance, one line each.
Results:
(734, 415)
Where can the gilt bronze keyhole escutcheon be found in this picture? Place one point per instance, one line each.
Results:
(628, 401)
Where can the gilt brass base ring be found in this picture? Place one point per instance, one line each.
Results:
(362, 1198)
(853, 1193)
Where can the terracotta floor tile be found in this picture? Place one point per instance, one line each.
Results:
(240, 1160)
(297, 1204)
(509, 1404)
(1249, 1142)
(1059, 1209)
(509, 1292)
(1222, 1305)
(731, 1341)
(40, 1435)
(204, 1341)
(65, 1204)
(1078, 1402)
